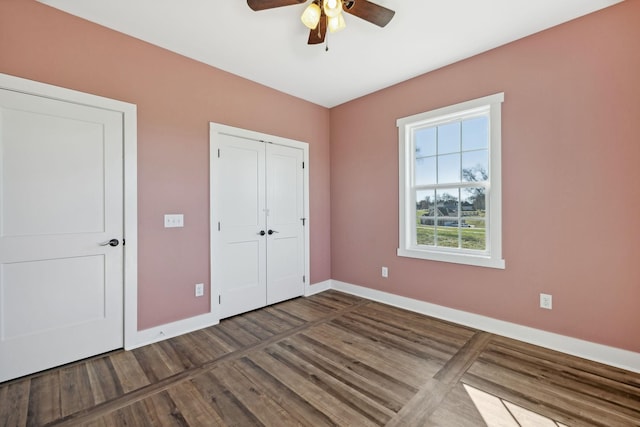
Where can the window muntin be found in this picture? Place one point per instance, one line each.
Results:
(450, 184)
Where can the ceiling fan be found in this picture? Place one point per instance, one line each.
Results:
(321, 15)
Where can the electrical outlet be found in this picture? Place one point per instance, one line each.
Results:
(385, 272)
(546, 301)
(199, 289)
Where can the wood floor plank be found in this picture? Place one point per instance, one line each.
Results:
(330, 384)
(406, 367)
(104, 382)
(234, 329)
(14, 404)
(271, 323)
(75, 389)
(280, 312)
(369, 368)
(416, 321)
(367, 381)
(253, 328)
(130, 374)
(44, 399)
(195, 409)
(335, 300)
(339, 413)
(257, 399)
(155, 363)
(223, 401)
(306, 309)
(417, 344)
(288, 399)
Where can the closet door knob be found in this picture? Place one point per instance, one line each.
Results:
(262, 233)
(271, 232)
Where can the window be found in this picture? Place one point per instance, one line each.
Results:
(450, 184)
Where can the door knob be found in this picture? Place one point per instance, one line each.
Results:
(262, 233)
(112, 242)
(271, 232)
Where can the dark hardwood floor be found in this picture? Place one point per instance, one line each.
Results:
(330, 359)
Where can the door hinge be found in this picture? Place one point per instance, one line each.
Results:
(218, 225)
(304, 279)
(219, 299)
(218, 153)
(303, 221)
(302, 165)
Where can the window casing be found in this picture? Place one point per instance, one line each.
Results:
(450, 183)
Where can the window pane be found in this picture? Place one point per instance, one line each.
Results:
(473, 235)
(473, 221)
(475, 133)
(425, 141)
(447, 237)
(447, 202)
(475, 166)
(449, 168)
(425, 202)
(447, 231)
(425, 171)
(425, 205)
(474, 199)
(449, 138)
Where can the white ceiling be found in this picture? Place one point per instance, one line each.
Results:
(269, 47)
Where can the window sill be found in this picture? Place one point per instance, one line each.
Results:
(467, 259)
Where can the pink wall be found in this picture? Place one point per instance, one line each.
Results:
(176, 99)
(571, 175)
(571, 150)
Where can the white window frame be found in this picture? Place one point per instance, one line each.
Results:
(408, 247)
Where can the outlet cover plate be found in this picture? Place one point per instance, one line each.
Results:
(199, 289)
(173, 220)
(546, 301)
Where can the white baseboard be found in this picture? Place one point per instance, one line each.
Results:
(316, 288)
(612, 356)
(170, 330)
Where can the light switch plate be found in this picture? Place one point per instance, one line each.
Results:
(173, 220)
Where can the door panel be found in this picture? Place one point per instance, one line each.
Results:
(239, 263)
(285, 204)
(61, 195)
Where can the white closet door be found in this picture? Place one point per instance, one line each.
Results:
(258, 234)
(285, 234)
(239, 263)
(61, 195)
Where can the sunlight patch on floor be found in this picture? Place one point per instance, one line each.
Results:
(497, 412)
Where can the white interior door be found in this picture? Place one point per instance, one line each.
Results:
(258, 235)
(61, 196)
(285, 215)
(239, 250)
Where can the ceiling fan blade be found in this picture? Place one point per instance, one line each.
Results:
(316, 36)
(368, 11)
(270, 4)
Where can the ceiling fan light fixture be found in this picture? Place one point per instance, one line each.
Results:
(311, 16)
(332, 8)
(336, 23)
